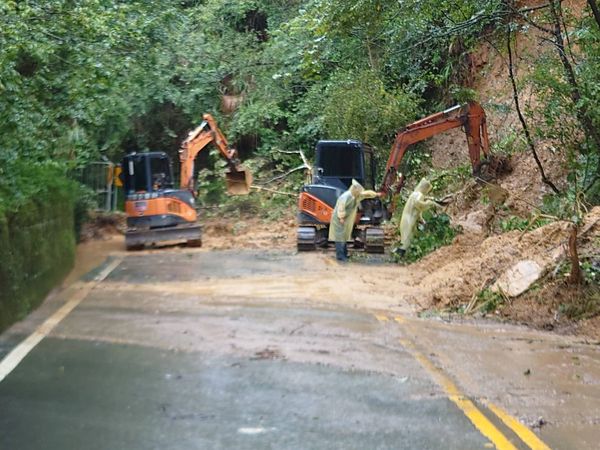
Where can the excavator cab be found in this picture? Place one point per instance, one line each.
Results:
(156, 210)
(146, 172)
(337, 163)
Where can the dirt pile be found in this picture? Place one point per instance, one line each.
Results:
(103, 226)
(455, 273)
(249, 232)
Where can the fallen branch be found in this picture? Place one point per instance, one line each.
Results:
(289, 172)
(273, 191)
(305, 166)
(475, 296)
(297, 152)
(534, 219)
(305, 161)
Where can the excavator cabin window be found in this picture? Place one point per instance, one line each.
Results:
(340, 160)
(147, 172)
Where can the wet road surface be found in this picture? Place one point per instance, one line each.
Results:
(256, 349)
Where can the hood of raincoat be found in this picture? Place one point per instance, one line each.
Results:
(356, 188)
(424, 186)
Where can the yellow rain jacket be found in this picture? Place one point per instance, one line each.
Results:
(345, 211)
(418, 202)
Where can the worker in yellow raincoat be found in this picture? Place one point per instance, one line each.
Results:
(344, 216)
(418, 202)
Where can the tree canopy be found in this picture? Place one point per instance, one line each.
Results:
(81, 80)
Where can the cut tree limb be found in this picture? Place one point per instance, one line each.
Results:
(575, 276)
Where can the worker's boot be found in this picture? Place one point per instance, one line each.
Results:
(399, 252)
(341, 252)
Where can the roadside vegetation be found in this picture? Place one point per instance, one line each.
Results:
(82, 81)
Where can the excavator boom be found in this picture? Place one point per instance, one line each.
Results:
(238, 179)
(470, 116)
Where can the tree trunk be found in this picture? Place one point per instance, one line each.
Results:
(575, 276)
(511, 74)
(595, 10)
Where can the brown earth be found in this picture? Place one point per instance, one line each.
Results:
(444, 280)
(477, 257)
(451, 277)
(249, 232)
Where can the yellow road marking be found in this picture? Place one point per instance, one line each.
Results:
(468, 408)
(12, 360)
(524, 433)
(381, 317)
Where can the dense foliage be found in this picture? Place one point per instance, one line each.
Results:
(81, 79)
(37, 242)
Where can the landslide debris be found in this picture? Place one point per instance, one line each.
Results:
(473, 263)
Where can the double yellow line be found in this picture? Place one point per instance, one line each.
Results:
(469, 409)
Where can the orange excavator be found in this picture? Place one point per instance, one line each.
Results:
(338, 162)
(158, 212)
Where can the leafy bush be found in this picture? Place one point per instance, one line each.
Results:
(518, 223)
(584, 307)
(437, 232)
(85, 200)
(444, 180)
(488, 301)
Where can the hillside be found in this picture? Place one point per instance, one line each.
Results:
(98, 81)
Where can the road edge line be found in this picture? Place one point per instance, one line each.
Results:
(524, 433)
(16, 355)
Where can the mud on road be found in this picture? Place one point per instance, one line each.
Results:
(232, 345)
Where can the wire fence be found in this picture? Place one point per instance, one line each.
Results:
(100, 178)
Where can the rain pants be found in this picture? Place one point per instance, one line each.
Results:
(418, 202)
(345, 209)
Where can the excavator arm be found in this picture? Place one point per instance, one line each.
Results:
(470, 116)
(238, 178)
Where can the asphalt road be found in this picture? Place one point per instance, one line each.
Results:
(248, 350)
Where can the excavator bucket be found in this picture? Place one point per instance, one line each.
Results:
(238, 180)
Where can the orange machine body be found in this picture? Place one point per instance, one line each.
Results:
(156, 210)
(315, 207)
(155, 204)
